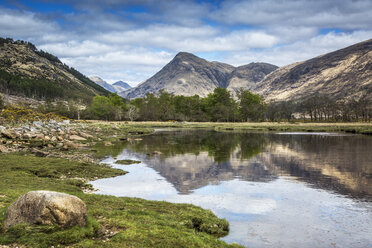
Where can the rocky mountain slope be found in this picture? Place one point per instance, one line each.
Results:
(343, 74)
(247, 76)
(26, 71)
(189, 75)
(121, 86)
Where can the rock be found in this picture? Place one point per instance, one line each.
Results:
(3, 149)
(10, 134)
(60, 138)
(108, 143)
(48, 208)
(39, 153)
(85, 135)
(38, 124)
(66, 122)
(40, 136)
(69, 144)
(47, 138)
(53, 139)
(2, 128)
(76, 137)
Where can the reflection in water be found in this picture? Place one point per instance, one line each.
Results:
(259, 182)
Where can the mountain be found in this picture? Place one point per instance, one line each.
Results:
(121, 86)
(247, 76)
(26, 71)
(343, 74)
(102, 83)
(186, 75)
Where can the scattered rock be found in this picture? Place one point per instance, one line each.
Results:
(48, 208)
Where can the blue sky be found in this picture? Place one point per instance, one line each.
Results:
(131, 40)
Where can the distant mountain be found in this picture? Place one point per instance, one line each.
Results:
(27, 71)
(186, 75)
(102, 83)
(247, 76)
(343, 74)
(117, 87)
(121, 86)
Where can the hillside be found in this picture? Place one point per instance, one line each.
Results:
(247, 76)
(343, 74)
(26, 71)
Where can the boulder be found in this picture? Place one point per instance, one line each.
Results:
(48, 208)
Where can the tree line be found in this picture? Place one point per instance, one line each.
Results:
(220, 106)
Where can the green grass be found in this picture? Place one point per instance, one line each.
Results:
(112, 221)
(127, 162)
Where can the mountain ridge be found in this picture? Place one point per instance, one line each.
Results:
(186, 74)
(342, 74)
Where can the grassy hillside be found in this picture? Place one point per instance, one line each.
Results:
(26, 71)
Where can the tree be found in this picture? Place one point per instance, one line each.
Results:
(101, 107)
(219, 105)
(132, 112)
(251, 106)
(2, 103)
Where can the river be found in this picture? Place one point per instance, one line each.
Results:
(275, 189)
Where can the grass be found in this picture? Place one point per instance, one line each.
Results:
(127, 162)
(112, 221)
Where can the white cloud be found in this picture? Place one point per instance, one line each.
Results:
(300, 50)
(132, 46)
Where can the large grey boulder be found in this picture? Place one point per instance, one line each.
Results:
(47, 207)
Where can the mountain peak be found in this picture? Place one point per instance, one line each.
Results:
(186, 75)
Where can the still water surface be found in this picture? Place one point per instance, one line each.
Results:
(276, 190)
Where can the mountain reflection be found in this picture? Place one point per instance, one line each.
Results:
(193, 159)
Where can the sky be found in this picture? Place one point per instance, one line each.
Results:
(131, 40)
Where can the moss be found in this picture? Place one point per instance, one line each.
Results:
(113, 221)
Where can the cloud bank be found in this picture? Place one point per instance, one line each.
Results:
(132, 40)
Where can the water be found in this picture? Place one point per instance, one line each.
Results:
(276, 190)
